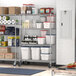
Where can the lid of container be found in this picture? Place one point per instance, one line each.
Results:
(41, 37)
(44, 30)
(51, 16)
(47, 22)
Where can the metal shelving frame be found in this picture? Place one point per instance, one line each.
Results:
(50, 61)
(15, 60)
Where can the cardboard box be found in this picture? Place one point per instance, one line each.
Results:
(5, 50)
(3, 10)
(9, 55)
(14, 10)
(2, 55)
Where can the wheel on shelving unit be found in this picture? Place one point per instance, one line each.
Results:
(49, 65)
(19, 63)
(14, 64)
(26, 63)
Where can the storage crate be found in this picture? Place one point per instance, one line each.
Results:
(35, 51)
(14, 10)
(9, 55)
(3, 10)
(25, 51)
(2, 55)
(5, 50)
(45, 50)
(45, 56)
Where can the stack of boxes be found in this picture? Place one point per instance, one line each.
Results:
(5, 53)
(10, 10)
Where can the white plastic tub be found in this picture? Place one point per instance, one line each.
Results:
(45, 50)
(46, 24)
(43, 33)
(35, 53)
(53, 25)
(45, 56)
(53, 39)
(41, 40)
(25, 51)
(48, 39)
(39, 25)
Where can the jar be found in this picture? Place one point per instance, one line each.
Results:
(29, 9)
(42, 10)
(23, 9)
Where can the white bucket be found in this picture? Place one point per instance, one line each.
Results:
(25, 53)
(35, 53)
(41, 40)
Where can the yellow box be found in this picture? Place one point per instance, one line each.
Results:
(9, 37)
(4, 43)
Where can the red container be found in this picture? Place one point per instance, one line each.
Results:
(49, 10)
(42, 10)
(2, 27)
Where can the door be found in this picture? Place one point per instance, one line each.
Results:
(65, 40)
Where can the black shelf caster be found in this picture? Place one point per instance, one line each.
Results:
(49, 65)
(14, 64)
(19, 63)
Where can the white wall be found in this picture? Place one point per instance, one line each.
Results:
(20, 2)
(65, 47)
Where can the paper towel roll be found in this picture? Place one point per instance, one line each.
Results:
(13, 22)
(9, 22)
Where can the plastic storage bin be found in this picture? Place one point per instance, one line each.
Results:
(43, 33)
(45, 56)
(35, 53)
(53, 25)
(48, 39)
(25, 53)
(46, 24)
(39, 25)
(45, 50)
(41, 40)
(53, 39)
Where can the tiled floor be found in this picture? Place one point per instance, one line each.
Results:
(47, 71)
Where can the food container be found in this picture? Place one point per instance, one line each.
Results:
(46, 24)
(39, 25)
(53, 25)
(49, 10)
(48, 38)
(41, 40)
(23, 9)
(45, 50)
(34, 10)
(4, 43)
(11, 41)
(42, 10)
(26, 24)
(45, 56)
(53, 39)
(29, 8)
(51, 18)
(25, 53)
(43, 33)
(2, 32)
(42, 18)
(35, 53)
(1, 38)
